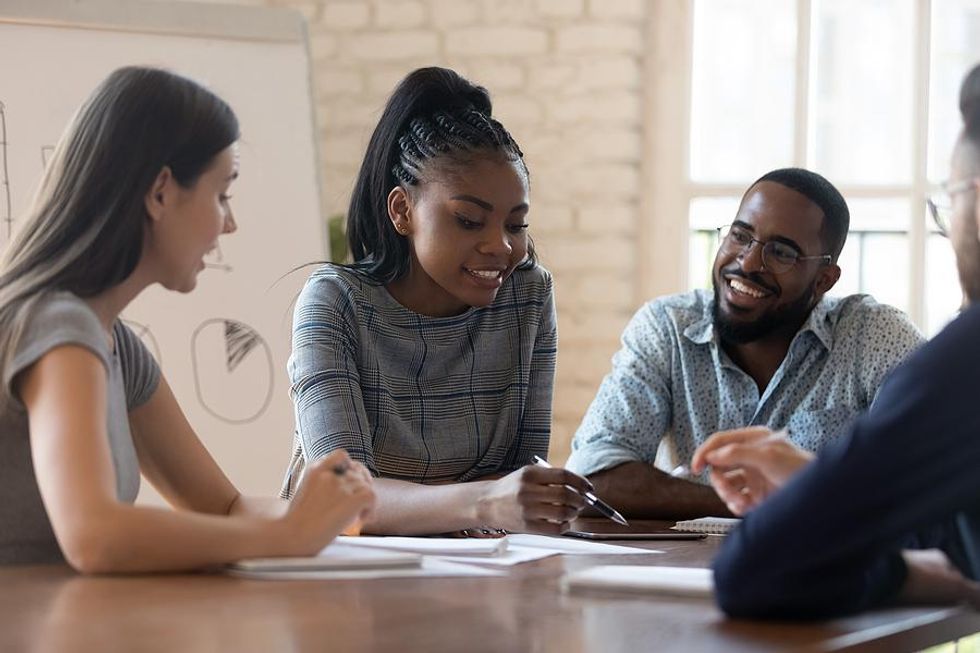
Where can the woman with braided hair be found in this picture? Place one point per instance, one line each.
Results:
(430, 358)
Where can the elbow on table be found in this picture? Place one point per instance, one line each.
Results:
(734, 592)
(92, 550)
(745, 591)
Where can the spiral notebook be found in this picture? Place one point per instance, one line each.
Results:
(710, 525)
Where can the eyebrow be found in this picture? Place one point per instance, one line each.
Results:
(779, 239)
(483, 204)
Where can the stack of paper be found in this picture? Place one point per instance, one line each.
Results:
(440, 546)
(672, 581)
(341, 561)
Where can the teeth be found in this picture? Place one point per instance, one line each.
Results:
(486, 274)
(745, 290)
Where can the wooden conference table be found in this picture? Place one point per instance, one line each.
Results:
(50, 608)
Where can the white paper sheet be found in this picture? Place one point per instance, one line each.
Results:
(441, 546)
(431, 567)
(526, 548)
(514, 555)
(671, 581)
(571, 546)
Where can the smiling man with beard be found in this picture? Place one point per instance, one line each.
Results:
(765, 347)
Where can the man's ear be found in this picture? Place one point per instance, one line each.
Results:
(400, 210)
(158, 196)
(826, 279)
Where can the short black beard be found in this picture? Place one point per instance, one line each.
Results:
(740, 333)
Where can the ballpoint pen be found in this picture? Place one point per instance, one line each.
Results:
(590, 498)
(682, 471)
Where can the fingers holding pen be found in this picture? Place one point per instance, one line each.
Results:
(534, 499)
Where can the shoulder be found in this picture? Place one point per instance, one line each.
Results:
(64, 308)
(676, 312)
(62, 318)
(335, 287)
(862, 316)
(954, 351)
(534, 281)
(54, 320)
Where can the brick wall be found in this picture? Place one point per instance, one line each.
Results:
(565, 77)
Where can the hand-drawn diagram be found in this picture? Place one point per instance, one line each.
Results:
(6, 214)
(143, 333)
(233, 370)
(46, 152)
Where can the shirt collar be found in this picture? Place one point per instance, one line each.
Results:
(817, 323)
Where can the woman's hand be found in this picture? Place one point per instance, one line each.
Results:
(747, 465)
(334, 492)
(533, 499)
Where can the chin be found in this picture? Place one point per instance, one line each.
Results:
(183, 287)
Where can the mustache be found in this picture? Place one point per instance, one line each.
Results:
(754, 278)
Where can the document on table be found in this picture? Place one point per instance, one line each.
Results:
(502, 552)
(670, 581)
(440, 546)
(523, 547)
(572, 547)
(430, 567)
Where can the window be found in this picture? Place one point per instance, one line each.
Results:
(863, 92)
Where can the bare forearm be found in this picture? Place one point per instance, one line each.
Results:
(404, 508)
(138, 539)
(262, 507)
(642, 491)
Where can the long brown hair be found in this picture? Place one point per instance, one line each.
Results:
(84, 230)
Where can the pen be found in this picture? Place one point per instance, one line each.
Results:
(682, 471)
(354, 528)
(590, 498)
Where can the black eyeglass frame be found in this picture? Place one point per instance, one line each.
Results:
(781, 268)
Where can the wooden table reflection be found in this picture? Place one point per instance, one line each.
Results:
(48, 609)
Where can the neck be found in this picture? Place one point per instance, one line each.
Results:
(761, 358)
(417, 292)
(109, 303)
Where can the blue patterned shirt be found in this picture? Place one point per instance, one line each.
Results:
(671, 382)
(423, 399)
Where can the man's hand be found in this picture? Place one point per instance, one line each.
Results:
(932, 578)
(747, 465)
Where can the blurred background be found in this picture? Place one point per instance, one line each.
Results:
(643, 122)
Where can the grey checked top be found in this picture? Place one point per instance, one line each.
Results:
(672, 381)
(423, 399)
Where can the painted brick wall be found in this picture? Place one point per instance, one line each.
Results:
(565, 77)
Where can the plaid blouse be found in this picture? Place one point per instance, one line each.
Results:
(417, 398)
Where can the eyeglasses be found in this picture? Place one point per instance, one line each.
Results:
(777, 257)
(941, 204)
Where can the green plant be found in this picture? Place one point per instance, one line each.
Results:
(338, 239)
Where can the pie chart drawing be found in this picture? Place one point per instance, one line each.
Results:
(233, 370)
(146, 336)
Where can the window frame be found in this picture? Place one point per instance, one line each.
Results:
(664, 239)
